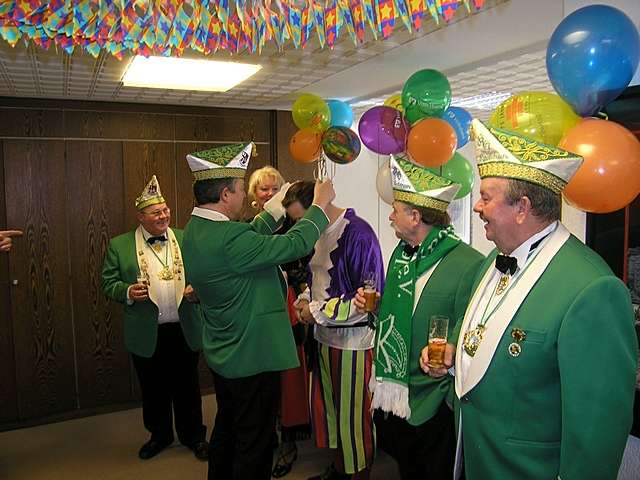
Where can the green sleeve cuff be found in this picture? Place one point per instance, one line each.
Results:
(265, 223)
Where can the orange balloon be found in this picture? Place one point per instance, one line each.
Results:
(609, 178)
(431, 142)
(305, 146)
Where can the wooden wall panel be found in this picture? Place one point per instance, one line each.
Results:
(288, 167)
(184, 182)
(118, 125)
(8, 398)
(141, 160)
(223, 128)
(28, 122)
(95, 195)
(40, 303)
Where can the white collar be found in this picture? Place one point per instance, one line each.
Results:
(522, 252)
(337, 222)
(209, 214)
(146, 235)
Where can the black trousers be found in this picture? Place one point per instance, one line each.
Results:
(241, 445)
(170, 386)
(425, 452)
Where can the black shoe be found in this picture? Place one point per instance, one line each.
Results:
(200, 450)
(331, 474)
(286, 456)
(152, 448)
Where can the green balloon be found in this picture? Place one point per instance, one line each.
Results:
(459, 171)
(427, 93)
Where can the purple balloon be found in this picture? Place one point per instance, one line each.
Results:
(383, 130)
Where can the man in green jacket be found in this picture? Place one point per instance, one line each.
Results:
(143, 270)
(430, 273)
(247, 338)
(546, 362)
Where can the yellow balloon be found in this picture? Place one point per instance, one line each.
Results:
(311, 112)
(539, 115)
(395, 101)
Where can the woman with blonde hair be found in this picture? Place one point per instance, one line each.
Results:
(295, 425)
(264, 183)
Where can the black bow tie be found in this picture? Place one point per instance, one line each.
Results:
(506, 264)
(410, 250)
(159, 238)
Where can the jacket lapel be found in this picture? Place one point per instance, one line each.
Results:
(178, 267)
(143, 263)
(421, 282)
(502, 317)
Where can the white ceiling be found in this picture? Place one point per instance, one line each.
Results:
(499, 49)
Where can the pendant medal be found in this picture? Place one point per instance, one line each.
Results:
(165, 273)
(472, 339)
(502, 284)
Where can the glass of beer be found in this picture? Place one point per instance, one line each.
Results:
(142, 279)
(370, 291)
(438, 329)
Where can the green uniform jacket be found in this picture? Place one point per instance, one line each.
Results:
(563, 407)
(446, 293)
(119, 271)
(233, 267)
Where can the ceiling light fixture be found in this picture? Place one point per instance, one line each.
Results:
(484, 101)
(186, 74)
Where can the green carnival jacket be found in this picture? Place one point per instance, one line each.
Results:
(563, 407)
(119, 271)
(233, 267)
(446, 293)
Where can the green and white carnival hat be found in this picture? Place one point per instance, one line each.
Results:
(228, 161)
(420, 186)
(501, 153)
(151, 195)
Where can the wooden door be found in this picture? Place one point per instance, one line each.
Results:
(95, 202)
(39, 265)
(8, 398)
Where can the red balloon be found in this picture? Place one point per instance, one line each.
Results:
(431, 142)
(609, 178)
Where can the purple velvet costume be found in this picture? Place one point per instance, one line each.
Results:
(344, 254)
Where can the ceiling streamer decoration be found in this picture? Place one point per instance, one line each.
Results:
(169, 27)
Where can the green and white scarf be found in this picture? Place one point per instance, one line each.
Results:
(390, 379)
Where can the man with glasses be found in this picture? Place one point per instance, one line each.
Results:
(143, 270)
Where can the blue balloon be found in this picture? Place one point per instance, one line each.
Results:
(460, 120)
(592, 56)
(341, 114)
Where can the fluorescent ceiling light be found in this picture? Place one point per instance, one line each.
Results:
(186, 74)
(485, 101)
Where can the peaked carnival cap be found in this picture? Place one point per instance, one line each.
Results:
(151, 194)
(228, 161)
(420, 186)
(500, 153)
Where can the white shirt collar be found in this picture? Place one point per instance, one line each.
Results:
(522, 252)
(146, 235)
(209, 214)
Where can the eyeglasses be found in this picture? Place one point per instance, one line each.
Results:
(158, 213)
